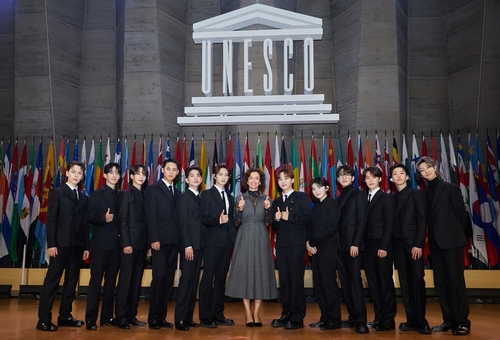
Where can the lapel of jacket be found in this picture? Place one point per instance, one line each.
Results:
(374, 200)
(402, 199)
(218, 198)
(164, 188)
(68, 192)
(439, 188)
(109, 197)
(345, 198)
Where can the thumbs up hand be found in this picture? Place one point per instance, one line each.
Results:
(241, 203)
(109, 216)
(284, 214)
(267, 203)
(223, 218)
(277, 215)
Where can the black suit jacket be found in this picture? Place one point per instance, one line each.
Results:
(447, 217)
(132, 219)
(160, 214)
(67, 222)
(188, 213)
(380, 219)
(411, 216)
(324, 225)
(293, 231)
(105, 235)
(216, 234)
(352, 224)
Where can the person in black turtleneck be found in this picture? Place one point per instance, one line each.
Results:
(409, 240)
(447, 226)
(351, 228)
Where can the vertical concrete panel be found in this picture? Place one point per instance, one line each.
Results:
(464, 88)
(7, 62)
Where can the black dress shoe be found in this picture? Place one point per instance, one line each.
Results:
(461, 330)
(361, 328)
(208, 324)
(281, 321)
(423, 330)
(153, 324)
(347, 324)
(318, 324)
(165, 324)
(123, 324)
(385, 326)
(109, 322)
(91, 325)
(444, 327)
(182, 326)
(372, 324)
(406, 326)
(290, 324)
(330, 325)
(70, 322)
(46, 326)
(191, 323)
(223, 321)
(135, 322)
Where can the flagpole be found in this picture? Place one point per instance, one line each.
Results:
(23, 267)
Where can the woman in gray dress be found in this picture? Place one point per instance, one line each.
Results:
(251, 276)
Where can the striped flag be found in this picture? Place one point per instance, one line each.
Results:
(125, 169)
(295, 167)
(151, 163)
(361, 162)
(332, 175)
(207, 180)
(237, 169)
(444, 166)
(246, 164)
(118, 153)
(268, 168)
(258, 155)
(89, 177)
(324, 158)
(191, 153)
(61, 170)
(414, 159)
(303, 169)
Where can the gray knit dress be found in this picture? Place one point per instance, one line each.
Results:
(251, 275)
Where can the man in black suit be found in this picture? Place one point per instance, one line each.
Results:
(217, 207)
(67, 245)
(133, 239)
(104, 248)
(378, 257)
(163, 234)
(188, 212)
(292, 213)
(447, 228)
(409, 240)
(351, 228)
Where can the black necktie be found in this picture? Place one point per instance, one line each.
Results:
(171, 189)
(369, 198)
(76, 194)
(285, 197)
(224, 201)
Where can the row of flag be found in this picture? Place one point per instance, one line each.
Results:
(24, 187)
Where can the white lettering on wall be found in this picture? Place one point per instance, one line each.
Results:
(227, 67)
(247, 66)
(206, 68)
(287, 55)
(268, 78)
(308, 66)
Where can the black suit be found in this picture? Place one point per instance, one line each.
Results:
(409, 232)
(133, 233)
(163, 228)
(291, 252)
(378, 235)
(105, 253)
(188, 212)
(447, 223)
(67, 230)
(351, 228)
(219, 243)
(324, 237)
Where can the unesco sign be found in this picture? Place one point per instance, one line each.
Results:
(289, 105)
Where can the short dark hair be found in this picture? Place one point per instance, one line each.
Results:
(76, 163)
(136, 168)
(373, 170)
(194, 168)
(399, 165)
(220, 166)
(346, 169)
(322, 182)
(171, 160)
(244, 181)
(288, 172)
(108, 167)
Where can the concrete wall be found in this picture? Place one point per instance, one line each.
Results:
(7, 61)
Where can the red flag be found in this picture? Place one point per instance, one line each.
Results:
(247, 155)
(350, 152)
(268, 169)
(134, 154)
(433, 148)
(331, 162)
(303, 169)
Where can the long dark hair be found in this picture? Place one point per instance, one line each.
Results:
(322, 182)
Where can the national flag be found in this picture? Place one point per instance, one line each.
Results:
(89, 177)
(209, 176)
(66, 155)
(313, 167)
(258, 155)
(237, 169)
(453, 162)
(332, 175)
(295, 167)
(268, 168)
(191, 153)
(4, 185)
(107, 155)
(8, 218)
(444, 166)
(303, 168)
(151, 163)
(493, 230)
(178, 182)
(406, 160)
(352, 162)
(75, 150)
(478, 234)
(159, 160)
(229, 163)
(84, 154)
(384, 185)
(133, 161)
(125, 168)
(61, 169)
(324, 158)
(340, 157)
(168, 153)
(41, 226)
(421, 183)
(414, 159)
(283, 157)
(433, 147)
(424, 147)
(143, 151)
(361, 163)
(204, 167)
(118, 153)
(246, 164)
(395, 155)
(221, 148)
(276, 166)
(184, 165)
(18, 196)
(36, 193)
(98, 174)
(215, 158)
(385, 180)
(368, 156)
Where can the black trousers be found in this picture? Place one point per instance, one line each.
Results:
(213, 281)
(68, 261)
(129, 283)
(449, 282)
(291, 266)
(379, 272)
(104, 263)
(326, 289)
(350, 278)
(188, 285)
(411, 281)
(164, 265)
